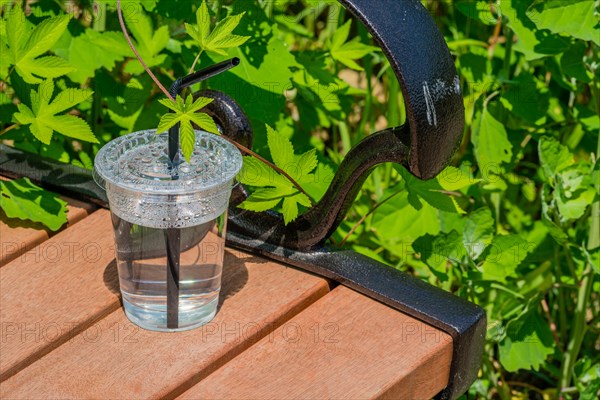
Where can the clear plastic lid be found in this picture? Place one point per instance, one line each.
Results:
(134, 171)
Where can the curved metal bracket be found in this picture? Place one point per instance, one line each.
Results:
(425, 70)
(420, 58)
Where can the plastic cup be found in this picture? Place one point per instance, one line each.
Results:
(169, 225)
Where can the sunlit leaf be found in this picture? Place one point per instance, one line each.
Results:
(42, 118)
(221, 38)
(23, 200)
(185, 112)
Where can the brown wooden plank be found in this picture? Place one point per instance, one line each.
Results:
(343, 346)
(113, 359)
(55, 290)
(18, 237)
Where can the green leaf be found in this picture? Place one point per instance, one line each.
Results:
(574, 191)
(478, 232)
(572, 62)
(527, 344)
(438, 250)
(221, 38)
(527, 98)
(290, 209)
(205, 122)
(316, 184)
(42, 119)
(93, 50)
(503, 256)
(17, 28)
(322, 98)
(587, 378)
(71, 126)
(86, 160)
(533, 43)
(431, 191)
(577, 18)
(477, 10)
(547, 217)
(25, 45)
(167, 121)
(263, 100)
(490, 140)
(22, 199)
(187, 139)
(397, 224)
(282, 151)
(452, 178)
(44, 36)
(256, 173)
(348, 52)
(554, 157)
(47, 67)
(574, 207)
(185, 113)
(262, 200)
(306, 163)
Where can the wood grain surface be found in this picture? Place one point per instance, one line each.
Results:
(279, 333)
(56, 290)
(345, 346)
(113, 359)
(18, 236)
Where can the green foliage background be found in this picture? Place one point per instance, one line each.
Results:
(513, 225)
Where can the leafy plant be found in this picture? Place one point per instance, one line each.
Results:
(184, 114)
(42, 119)
(220, 38)
(24, 45)
(347, 52)
(273, 188)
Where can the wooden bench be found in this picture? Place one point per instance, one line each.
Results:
(280, 333)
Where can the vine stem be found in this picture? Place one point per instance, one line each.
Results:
(583, 295)
(10, 128)
(364, 218)
(137, 54)
(166, 92)
(579, 328)
(193, 67)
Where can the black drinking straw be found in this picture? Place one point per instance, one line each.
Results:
(173, 235)
(173, 242)
(186, 81)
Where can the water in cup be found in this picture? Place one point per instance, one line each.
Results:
(169, 226)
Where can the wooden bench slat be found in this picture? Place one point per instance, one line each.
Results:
(55, 290)
(18, 237)
(343, 346)
(257, 296)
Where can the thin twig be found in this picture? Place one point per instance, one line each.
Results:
(195, 62)
(364, 218)
(137, 55)
(494, 39)
(489, 98)
(551, 322)
(10, 128)
(525, 385)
